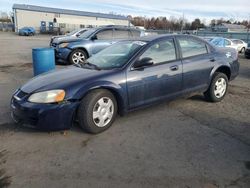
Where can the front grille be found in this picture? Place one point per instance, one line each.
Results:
(53, 45)
(19, 95)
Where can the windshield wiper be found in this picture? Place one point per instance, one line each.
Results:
(88, 64)
(92, 65)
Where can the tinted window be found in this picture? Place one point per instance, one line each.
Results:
(161, 52)
(192, 47)
(104, 35)
(121, 34)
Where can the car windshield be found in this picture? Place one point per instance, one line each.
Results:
(116, 55)
(72, 32)
(217, 41)
(87, 33)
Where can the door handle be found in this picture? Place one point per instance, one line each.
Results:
(212, 59)
(174, 68)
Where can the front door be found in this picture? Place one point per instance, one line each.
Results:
(104, 38)
(158, 81)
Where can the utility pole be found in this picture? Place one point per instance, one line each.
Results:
(182, 22)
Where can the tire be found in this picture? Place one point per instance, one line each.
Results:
(215, 94)
(242, 50)
(94, 112)
(77, 56)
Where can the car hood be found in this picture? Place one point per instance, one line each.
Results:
(66, 39)
(62, 79)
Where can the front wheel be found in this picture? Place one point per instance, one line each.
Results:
(97, 111)
(242, 50)
(77, 56)
(218, 88)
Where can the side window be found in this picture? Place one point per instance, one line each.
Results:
(239, 42)
(105, 34)
(161, 52)
(135, 33)
(227, 43)
(192, 47)
(121, 34)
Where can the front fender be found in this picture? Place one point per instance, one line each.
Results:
(118, 91)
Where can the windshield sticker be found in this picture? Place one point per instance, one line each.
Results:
(139, 43)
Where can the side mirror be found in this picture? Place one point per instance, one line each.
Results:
(77, 35)
(94, 37)
(144, 62)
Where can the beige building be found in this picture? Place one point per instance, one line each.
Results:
(48, 19)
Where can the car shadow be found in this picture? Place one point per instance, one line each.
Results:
(197, 98)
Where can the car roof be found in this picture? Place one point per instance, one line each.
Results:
(117, 26)
(150, 38)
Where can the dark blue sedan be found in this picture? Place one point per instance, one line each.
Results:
(123, 77)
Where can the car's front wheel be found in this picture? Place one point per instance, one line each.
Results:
(218, 88)
(242, 50)
(77, 56)
(97, 111)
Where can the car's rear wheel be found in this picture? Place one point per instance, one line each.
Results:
(218, 88)
(77, 56)
(97, 111)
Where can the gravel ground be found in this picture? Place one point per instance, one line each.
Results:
(183, 143)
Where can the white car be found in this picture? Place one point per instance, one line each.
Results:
(223, 42)
(241, 45)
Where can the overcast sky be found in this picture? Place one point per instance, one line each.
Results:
(237, 10)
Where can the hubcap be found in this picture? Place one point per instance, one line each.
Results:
(220, 87)
(103, 111)
(78, 57)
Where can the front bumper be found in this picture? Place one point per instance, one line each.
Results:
(46, 117)
(62, 55)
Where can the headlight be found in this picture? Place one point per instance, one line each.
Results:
(63, 45)
(51, 96)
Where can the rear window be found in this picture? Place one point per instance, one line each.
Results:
(121, 34)
(135, 33)
(104, 34)
(191, 47)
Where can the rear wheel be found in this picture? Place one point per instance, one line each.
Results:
(218, 88)
(97, 111)
(77, 56)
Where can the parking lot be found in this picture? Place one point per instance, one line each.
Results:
(183, 143)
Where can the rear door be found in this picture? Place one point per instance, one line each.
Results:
(198, 63)
(161, 80)
(104, 38)
(120, 34)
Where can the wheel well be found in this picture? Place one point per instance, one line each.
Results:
(225, 70)
(116, 95)
(80, 49)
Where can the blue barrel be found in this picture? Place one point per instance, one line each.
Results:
(43, 60)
